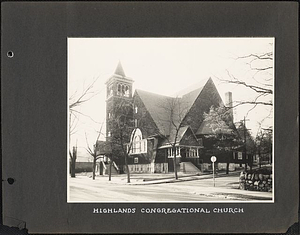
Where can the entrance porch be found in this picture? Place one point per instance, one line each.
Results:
(184, 154)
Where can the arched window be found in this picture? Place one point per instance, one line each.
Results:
(109, 91)
(136, 135)
(126, 91)
(139, 145)
(119, 89)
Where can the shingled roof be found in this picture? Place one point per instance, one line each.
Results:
(103, 147)
(161, 107)
(157, 106)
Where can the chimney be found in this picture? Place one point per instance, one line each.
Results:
(228, 103)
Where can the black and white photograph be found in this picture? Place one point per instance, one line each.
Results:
(170, 120)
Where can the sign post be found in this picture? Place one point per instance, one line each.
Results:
(213, 159)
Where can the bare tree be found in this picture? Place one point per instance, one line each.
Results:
(94, 151)
(258, 78)
(175, 110)
(73, 157)
(75, 101)
(87, 94)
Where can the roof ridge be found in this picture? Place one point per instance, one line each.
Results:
(191, 89)
(152, 93)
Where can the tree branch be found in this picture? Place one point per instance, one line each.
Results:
(258, 89)
(265, 56)
(253, 102)
(81, 99)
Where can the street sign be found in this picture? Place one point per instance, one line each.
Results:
(213, 159)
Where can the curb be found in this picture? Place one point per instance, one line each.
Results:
(181, 179)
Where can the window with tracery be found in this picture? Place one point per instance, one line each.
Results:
(138, 145)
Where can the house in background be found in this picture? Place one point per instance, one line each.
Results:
(157, 122)
(84, 162)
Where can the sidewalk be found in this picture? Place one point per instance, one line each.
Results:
(159, 178)
(216, 192)
(170, 178)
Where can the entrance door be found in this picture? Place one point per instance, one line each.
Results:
(101, 168)
(170, 165)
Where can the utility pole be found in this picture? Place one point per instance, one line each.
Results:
(245, 142)
(269, 130)
(259, 147)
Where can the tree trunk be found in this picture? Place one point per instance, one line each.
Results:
(259, 158)
(110, 165)
(227, 168)
(174, 163)
(127, 169)
(73, 162)
(94, 168)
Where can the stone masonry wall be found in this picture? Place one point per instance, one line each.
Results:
(257, 180)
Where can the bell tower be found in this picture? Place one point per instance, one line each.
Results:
(118, 89)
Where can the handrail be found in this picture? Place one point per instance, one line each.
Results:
(104, 166)
(115, 165)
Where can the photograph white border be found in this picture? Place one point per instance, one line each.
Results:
(175, 202)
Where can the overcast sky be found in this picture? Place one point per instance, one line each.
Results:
(160, 65)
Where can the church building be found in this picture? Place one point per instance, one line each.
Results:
(159, 127)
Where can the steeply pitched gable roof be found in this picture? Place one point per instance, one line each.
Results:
(103, 147)
(156, 106)
(161, 107)
(189, 98)
(180, 136)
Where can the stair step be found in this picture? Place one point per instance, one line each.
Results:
(113, 169)
(188, 167)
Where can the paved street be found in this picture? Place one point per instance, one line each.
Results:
(111, 192)
(195, 188)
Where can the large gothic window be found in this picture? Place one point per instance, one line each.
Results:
(137, 141)
(138, 145)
